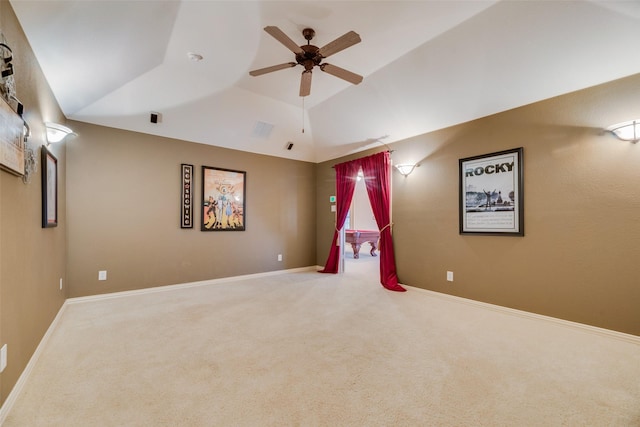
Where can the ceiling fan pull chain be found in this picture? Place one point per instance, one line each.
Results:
(303, 114)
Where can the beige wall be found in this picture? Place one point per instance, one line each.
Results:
(579, 257)
(32, 259)
(119, 201)
(123, 195)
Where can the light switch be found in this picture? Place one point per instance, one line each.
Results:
(3, 357)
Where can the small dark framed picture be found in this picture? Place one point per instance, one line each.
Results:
(49, 189)
(491, 194)
(186, 197)
(223, 199)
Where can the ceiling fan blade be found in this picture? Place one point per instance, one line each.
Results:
(279, 35)
(271, 69)
(305, 83)
(341, 43)
(341, 73)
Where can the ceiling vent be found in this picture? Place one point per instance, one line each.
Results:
(262, 130)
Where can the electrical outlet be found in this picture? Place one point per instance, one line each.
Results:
(61, 283)
(3, 357)
(449, 276)
(102, 275)
(279, 257)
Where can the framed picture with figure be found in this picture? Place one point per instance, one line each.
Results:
(223, 199)
(49, 189)
(491, 194)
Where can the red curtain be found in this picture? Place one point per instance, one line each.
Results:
(377, 174)
(346, 174)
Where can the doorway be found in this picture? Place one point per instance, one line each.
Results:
(377, 172)
(365, 259)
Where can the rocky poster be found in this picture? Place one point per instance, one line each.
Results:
(491, 197)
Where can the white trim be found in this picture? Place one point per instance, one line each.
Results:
(77, 300)
(17, 388)
(633, 339)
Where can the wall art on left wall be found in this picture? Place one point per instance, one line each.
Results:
(49, 189)
(223, 199)
(12, 145)
(186, 197)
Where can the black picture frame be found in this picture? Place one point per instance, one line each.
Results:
(223, 199)
(49, 188)
(491, 194)
(186, 196)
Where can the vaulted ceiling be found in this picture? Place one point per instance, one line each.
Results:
(426, 65)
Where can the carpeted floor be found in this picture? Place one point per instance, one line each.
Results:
(310, 349)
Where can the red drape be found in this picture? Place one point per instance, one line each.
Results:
(346, 174)
(377, 174)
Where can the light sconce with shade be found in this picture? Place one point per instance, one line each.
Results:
(406, 169)
(56, 132)
(627, 131)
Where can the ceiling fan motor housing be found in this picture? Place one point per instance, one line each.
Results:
(310, 58)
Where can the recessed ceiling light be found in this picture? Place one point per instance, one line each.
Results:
(195, 57)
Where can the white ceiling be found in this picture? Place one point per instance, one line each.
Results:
(426, 65)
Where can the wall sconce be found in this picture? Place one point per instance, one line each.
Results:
(406, 169)
(56, 132)
(627, 131)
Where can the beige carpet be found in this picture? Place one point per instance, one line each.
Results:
(309, 349)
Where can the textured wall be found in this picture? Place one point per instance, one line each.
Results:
(579, 257)
(32, 259)
(123, 192)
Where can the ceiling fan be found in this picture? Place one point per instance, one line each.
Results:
(309, 56)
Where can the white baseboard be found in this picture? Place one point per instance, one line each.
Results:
(17, 388)
(186, 285)
(633, 339)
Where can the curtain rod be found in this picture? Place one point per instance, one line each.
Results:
(390, 152)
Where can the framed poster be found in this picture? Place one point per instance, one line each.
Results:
(223, 199)
(49, 189)
(186, 197)
(491, 194)
(11, 140)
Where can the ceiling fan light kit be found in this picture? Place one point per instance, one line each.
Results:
(310, 56)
